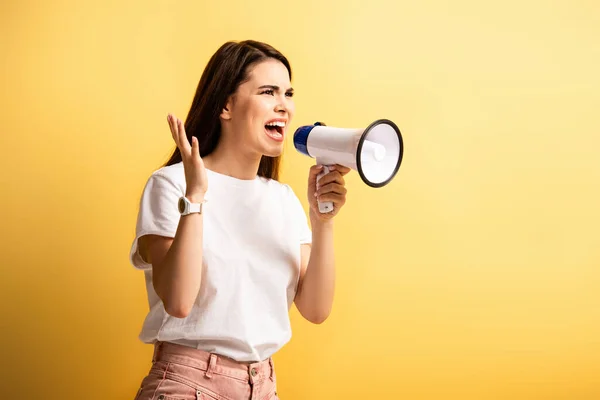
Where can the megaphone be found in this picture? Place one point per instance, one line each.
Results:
(375, 152)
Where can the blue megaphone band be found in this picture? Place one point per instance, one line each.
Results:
(301, 137)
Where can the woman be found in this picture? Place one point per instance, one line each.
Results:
(225, 247)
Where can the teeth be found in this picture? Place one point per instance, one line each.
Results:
(280, 124)
(275, 134)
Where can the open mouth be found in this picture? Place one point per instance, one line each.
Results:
(275, 129)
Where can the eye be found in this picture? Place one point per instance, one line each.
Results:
(268, 91)
(290, 94)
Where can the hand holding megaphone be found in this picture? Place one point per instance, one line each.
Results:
(327, 184)
(375, 152)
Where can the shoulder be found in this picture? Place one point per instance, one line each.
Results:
(171, 175)
(173, 172)
(279, 188)
(166, 181)
(287, 195)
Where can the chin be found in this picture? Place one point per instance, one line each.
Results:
(272, 152)
(271, 148)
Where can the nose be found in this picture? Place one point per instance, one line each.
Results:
(280, 107)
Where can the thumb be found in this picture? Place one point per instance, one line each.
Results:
(315, 170)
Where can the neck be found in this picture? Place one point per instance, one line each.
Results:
(231, 159)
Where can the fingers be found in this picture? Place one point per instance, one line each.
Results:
(337, 170)
(183, 140)
(195, 150)
(330, 187)
(333, 176)
(179, 135)
(337, 199)
(312, 175)
(341, 168)
(173, 129)
(333, 187)
(333, 192)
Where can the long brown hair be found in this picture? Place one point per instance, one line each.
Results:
(226, 70)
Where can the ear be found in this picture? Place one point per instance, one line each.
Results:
(226, 111)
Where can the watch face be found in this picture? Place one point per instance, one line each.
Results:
(181, 205)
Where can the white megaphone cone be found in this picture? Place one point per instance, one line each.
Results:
(375, 152)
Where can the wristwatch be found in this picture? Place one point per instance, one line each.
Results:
(186, 207)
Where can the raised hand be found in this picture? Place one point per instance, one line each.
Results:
(195, 173)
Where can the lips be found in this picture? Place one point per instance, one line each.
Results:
(275, 129)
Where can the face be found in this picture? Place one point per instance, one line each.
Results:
(260, 111)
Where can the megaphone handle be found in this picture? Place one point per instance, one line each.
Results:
(325, 206)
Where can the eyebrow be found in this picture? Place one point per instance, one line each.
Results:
(275, 88)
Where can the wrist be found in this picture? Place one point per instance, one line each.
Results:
(195, 197)
(319, 224)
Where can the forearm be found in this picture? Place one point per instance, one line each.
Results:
(315, 297)
(177, 279)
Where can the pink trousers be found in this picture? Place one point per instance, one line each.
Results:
(184, 373)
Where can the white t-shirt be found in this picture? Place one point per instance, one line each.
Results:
(253, 230)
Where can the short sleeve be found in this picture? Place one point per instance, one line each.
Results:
(299, 217)
(158, 214)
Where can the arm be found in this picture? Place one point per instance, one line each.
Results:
(314, 298)
(176, 264)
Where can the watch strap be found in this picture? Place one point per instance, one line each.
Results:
(186, 207)
(194, 208)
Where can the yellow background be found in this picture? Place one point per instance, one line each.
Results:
(473, 275)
